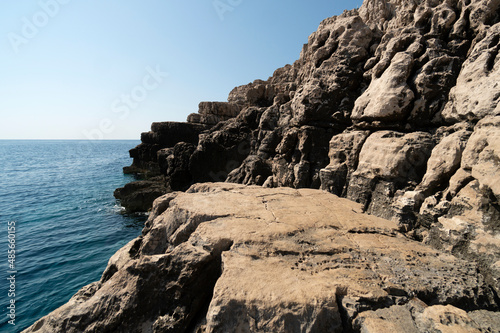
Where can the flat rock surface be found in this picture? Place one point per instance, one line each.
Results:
(233, 258)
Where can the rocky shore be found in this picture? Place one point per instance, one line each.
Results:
(233, 258)
(360, 192)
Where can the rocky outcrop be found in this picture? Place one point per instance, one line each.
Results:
(476, 93)
(416, 316)
(389, 162)
(423, 70)
(211, 113)
(162, 135)
(393, 105)
(139, 196)
(232, 258)
(162, 161)
(344, 158)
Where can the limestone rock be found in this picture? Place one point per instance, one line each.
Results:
(388, 66)
(139, 196)
(390, 154)
(470, 229)
(226, 257)
(223, 148)
(387, 98)
(334, 59)
(393, 105)
(416, 317)
(153, 162)
(482, 154)
(388, 161)
(433, 80)
(253, 171)
(162, 135)
(487, 321)
(477, 92)
(300, 155)
(444, 161)
(384, 14)
(213, 112)
(343, 153)
(258, 93)
(174, 164)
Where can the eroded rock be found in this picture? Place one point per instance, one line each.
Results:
(416, 317)
(389, 161)
(394, 105)
(388, 98)
(344, 152)
(211, 113)
(226, 257)
(477, 92)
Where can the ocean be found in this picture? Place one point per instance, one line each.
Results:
(59, 220)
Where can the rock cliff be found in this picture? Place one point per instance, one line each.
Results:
(393, 106)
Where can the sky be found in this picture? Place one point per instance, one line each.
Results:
(74, 69)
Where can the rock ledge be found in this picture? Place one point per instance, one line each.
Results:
(233, 258)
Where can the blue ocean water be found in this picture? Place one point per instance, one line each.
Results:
(59, 196)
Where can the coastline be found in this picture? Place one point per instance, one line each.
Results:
(354, 190)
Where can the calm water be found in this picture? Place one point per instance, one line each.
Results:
(67, 222)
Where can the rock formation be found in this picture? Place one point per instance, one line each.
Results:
(394, 106)
(234, 258)
(162, 159)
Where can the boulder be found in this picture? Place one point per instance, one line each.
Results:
(138, 196)
(388, 97)
(389, 161)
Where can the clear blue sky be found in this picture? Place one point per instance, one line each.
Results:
(72, 69)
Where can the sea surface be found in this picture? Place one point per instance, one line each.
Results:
(58, 195)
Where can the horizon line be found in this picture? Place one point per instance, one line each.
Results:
(91, 140)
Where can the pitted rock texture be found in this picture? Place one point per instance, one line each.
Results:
(416, 316)
(477, 91)
(233, 258)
